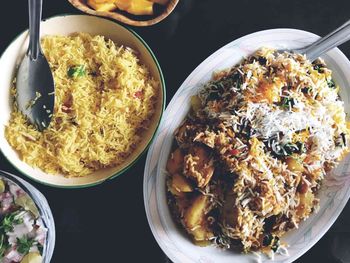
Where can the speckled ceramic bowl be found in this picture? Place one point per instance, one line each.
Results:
(334, 193)
(64, 25)
(44, 211)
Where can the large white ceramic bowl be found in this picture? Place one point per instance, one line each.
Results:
(65, 25)
(334, 193)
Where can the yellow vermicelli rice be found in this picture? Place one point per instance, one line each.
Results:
(104, 101)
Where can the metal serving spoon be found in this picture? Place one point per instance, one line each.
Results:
(34, 83)
(324, 44)
(316, 49)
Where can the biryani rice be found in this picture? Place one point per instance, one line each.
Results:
(99, 116)
(252, 153)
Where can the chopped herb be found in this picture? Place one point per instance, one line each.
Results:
(340, 140)
(344, 138)
(331, 83)
(301, 147)
(238, 80)
(218, 87)
(287, 102)
(10, 220)
(269, 223)
(267, 240)
(76, 71)
(40, 248)
(245, 129)
(290, 148)
(319, 68)
(271, 240)
(276, 244)
(213, 96)
(24, 244)
(3, 245)
(282, 150)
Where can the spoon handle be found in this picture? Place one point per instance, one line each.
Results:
(333, 39)
(35, 8)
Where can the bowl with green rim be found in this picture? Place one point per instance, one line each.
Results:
(66, 25)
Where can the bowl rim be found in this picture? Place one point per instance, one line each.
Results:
(163, 88)
(46, 215)
(148, 193)
(117, 16)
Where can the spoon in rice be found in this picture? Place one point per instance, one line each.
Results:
(34, 82)
(326, 43)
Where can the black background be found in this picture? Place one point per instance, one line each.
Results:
(107, 223)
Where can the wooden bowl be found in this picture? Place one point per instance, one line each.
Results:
(124, 17)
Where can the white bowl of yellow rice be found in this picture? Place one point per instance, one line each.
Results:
(110, 95)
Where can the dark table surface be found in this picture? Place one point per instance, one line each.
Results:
(107, 223)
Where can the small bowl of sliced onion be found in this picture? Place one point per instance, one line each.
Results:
(27, 229)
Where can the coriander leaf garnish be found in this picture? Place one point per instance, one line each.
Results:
(319, 68)
(3, 245)
(276, 243)
(301, 147)
(289, 149)
(267, 240)
(272, 241)
(9, 221)
(218, 87)
(24, 244)
(283, 150)
(40, 248)
(331, 83)
(76, 71)
(287, 102)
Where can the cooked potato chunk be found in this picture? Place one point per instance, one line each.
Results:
(202, 233)
(194, 219)
(182, 203)
(294, 165)
(196, 103)
(199, 166)
(195, 213)
(175, 192)
(203, 243)
(175, 162)
(181, 183)
(306, 204)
